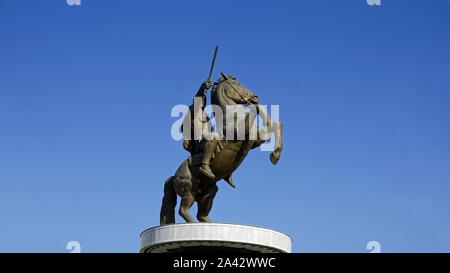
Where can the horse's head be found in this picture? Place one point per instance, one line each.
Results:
(234, 92)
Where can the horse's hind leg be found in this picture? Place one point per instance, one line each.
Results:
(205, 204)
(167, 214)
(186, 203)
(183, 187)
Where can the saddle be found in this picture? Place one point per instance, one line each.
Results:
(196, 160)
(197, 154)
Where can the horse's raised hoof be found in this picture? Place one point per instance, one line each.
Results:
(274, 158)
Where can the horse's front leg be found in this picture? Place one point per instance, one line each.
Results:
(265, 134)
(276, 154)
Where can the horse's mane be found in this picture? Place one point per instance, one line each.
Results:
(218, 96)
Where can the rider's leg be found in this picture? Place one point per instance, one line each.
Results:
(209, 148)
(208, 151)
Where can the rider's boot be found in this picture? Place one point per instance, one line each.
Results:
(209, 148)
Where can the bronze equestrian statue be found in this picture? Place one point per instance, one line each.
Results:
(215, 157)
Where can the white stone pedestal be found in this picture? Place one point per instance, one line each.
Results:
(213, 237)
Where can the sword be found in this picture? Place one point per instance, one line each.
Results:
(213, 61)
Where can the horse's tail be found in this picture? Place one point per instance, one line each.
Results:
(169, 201)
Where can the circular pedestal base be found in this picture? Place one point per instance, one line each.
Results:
(212, 237)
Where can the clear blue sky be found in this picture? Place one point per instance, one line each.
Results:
(364, 95)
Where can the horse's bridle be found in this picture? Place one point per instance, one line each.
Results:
(240, 94)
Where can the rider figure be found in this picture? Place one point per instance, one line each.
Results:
(200, 123)
(210, 139)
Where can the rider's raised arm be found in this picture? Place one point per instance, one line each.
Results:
(203, 88)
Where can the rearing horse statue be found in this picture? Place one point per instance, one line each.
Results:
(190, 184)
